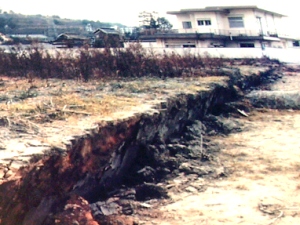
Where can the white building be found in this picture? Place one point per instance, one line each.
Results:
(226, 26)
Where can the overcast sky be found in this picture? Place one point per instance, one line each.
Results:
(126, 11)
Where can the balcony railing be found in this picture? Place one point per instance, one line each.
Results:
(221, 32)
(235, 32)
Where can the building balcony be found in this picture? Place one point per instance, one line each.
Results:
(229, 32)
(232, 34)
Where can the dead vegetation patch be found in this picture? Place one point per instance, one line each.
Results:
(53, 99)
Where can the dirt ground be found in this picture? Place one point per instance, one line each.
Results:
(262, 176)
(266, 174)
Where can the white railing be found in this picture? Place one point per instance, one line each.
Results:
(224, 32)
(235, 32)
(230, 32)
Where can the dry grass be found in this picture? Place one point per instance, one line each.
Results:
(296, 166)
(53, 99)
(65, 105)
(275, 168)
(242, 187)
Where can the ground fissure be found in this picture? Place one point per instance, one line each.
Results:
(108, 173)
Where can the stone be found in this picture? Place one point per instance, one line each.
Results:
(275, 99)
(2, 173)
(76, 211)
(124, 194)
(127, 209)
(191, 189)
(105, 208)
(75, 222)
(220, 124)
(8, 174)
(176, 148)
(188, 168)
(148, 191)
(145, 205)
(147, 174)
(194, 131)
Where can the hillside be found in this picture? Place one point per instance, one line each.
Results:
(12, 23)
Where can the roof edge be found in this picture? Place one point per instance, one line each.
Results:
(222, 9)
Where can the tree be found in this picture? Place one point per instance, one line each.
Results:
(153, 24)
(147, 19)
(58, 22)
(133, 33)
(150, 20)
(164, 24)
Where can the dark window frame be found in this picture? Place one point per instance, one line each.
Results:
(247, 45)
(204, 22)
(236, 22)
(189, 45)
(187, 24)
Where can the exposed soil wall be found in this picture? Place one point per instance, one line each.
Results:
(70, 187)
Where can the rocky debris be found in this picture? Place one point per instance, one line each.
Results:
(287, 98)
(275, 99)
(120, 202)
(76, 211)
(149, 191)
(194, 168)
(220, 124)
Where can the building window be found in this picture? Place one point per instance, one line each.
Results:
(204, 22)
(236, 22)
(189, 46)
(247, 45)
(296, 43)
(187, 24)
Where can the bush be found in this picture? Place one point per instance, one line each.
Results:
(86, 63)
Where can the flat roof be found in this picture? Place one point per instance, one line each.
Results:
(223, 9)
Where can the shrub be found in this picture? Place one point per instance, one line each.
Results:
(86, 63)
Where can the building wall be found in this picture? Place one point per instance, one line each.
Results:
(220, 20)
(237, 44)
(248, 18)
(157, 44)
(180, 43)
(205, 16)
(289, 55)
(184, 18)
(189, 43)
(269, 23)
(214, 43)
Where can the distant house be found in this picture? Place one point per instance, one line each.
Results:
(28, 38)
(71, 40)
(225, 26)
(107, 37)
(4, 38)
